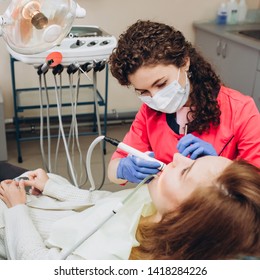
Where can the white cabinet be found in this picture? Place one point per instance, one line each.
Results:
(235, 63)
(256, 92)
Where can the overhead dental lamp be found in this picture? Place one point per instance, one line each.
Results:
(31, 27)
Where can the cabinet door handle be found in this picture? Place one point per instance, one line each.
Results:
(218, 48)
(224, 50)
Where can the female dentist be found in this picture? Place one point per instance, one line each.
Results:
(185, 107)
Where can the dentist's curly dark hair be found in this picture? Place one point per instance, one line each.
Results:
(151, 43)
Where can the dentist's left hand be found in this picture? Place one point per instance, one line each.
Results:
(190, 145)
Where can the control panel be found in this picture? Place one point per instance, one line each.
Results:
(82, 44)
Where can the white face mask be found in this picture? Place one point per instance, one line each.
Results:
(170, 99)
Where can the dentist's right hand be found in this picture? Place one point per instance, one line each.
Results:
(134, 169)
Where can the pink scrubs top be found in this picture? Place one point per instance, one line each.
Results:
(237, 136)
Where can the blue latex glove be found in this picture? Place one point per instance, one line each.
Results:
(195, 147)
(134, 169)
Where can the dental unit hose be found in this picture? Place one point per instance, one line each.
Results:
(107, 217)
(72, 173)
(118, 144)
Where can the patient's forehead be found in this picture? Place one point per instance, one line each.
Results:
(207, 168)
(214, 159)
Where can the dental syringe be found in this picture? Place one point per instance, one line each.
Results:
(132, 151)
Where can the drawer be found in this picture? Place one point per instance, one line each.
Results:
(256, 92)
(258, 66)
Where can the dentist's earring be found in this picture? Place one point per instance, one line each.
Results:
(189, 74)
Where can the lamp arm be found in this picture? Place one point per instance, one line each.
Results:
(80, 12)
(4, 20)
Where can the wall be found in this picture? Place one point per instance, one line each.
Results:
(114, 16)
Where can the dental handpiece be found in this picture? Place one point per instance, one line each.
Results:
(132, 151)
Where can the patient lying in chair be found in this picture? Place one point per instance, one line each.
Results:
(192, 210)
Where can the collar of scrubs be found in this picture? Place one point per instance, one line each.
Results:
(115, 239)
(181, 118)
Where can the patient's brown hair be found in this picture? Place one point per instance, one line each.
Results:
(219, 222)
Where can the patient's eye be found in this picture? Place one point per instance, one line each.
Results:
(184, 171)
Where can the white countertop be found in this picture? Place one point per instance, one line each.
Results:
(231, 32)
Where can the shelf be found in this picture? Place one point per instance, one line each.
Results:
(86, 100)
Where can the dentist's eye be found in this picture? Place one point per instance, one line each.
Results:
(142, 92)
(145, 93)
(161, 85)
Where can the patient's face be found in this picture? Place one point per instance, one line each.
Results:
(181, 177)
